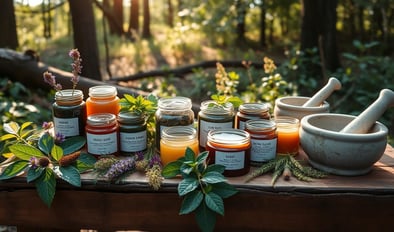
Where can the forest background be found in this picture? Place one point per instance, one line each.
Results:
(143, 44)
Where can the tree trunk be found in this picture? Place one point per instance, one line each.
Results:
(263, 26)
(85, 38)
(118, 13)
(170, 16)
(9, 37)
(146, 25)
(134, 25)
(241, 14)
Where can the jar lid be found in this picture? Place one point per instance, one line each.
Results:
(102, 91)
(260, 125)
(175, 103)
(101, 119)
(229, 136)
(254, 108)
(212, 107)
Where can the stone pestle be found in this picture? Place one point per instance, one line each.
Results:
(363, 122)
(323, 93)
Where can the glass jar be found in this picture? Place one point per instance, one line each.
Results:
(248, 111)
(102, 99)
(102, 134)
(175, 140)
(288, 135)
(230, 148)
(212, 117)
(69, 113)
(132, 132)
(174, 111)
(263, 138)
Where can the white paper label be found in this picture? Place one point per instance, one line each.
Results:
(102, 144)
(230, 160)
(66, 126)
(262, 150)
(132, 142)
(205, 127)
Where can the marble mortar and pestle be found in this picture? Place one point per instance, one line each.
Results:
(299, 106)
(343, 144)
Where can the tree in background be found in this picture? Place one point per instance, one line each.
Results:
(9, 37)
(134, 25)
(146, 25)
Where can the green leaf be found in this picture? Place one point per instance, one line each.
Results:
(72, 144)
(85, 162)
(11, 128)
(14, 169)
(172, 169)
(25, 152)
(191, 201)
(8, 136)
(187, 185)
(71, 175)
(45, 143)
(215, 203)
(57, 152)
(213, 177)
(34, 173)
(224, 189)
(215, 168)
(187, 168)
(189, 155)
(46, 186)
(202, 157)
(206, 218)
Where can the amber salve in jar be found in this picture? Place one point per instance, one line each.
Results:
(288, 135)
(230, 148)
(249, 111)
(175, 140)
(102, 134)
(102, 99)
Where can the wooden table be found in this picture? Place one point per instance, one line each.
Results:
(335, 203)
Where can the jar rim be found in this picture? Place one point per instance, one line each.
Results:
(286, 122)
(260, 125)
(179, 133)
(101, 119)
(102, 91)
(229, 136)
(211, 106)
(175, 103)
(254, 108)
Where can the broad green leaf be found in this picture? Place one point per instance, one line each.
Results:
(187, 185)
(186, 168)
(57, 152)
(24, 126)
(25, 152)
(215, 202)
(45, 143)
(11, 128)
(206, 218)
(8, 136)
(85, 162)
(202, 157)
(224, 189)
(22, 132)
(46, 186)
(71, 175)
(213, 177)
(14, 169)
(72, 144)
(189, 155)
(191, 201)
(172, 169)
(34, 173)
(27, 133)
(215, 168)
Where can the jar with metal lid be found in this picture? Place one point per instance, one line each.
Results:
(69, 113)
(213, 116)
(102, 134)
(175, 140)
(230, 148)
(132, 132)
(263, 139)
(248, 111)
(174, 111)
(102, 99)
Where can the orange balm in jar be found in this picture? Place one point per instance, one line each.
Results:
(288, 135)
(174, 141)
(102, 99)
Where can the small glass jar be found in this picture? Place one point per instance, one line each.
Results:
(132, 132)
(213, 117)
(102, 99)
(174, 111)
(230, 148)
(248, 111)
(175, 140)
(288, 135)
(263, 138)
(102, 134)
(69, 113)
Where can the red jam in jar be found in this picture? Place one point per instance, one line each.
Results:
(249, 111)
(102, 134)
(230, 148)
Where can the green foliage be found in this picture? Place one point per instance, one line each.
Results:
(203, 187)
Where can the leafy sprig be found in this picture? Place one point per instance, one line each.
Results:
(203, 187)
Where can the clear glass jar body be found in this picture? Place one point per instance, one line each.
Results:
(230, 148)
(288, 135)
(175, 140)
(213, 117)
(132, 133)
(249, 111)
(102, 99)
(69, 113)
(174, 111)
(102, 134)
(263, 138)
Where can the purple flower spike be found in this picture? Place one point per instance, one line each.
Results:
(76, 66)
(59, 138)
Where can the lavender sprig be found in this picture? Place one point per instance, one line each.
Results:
(51, 80)
(120, 167)
(76, 66)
